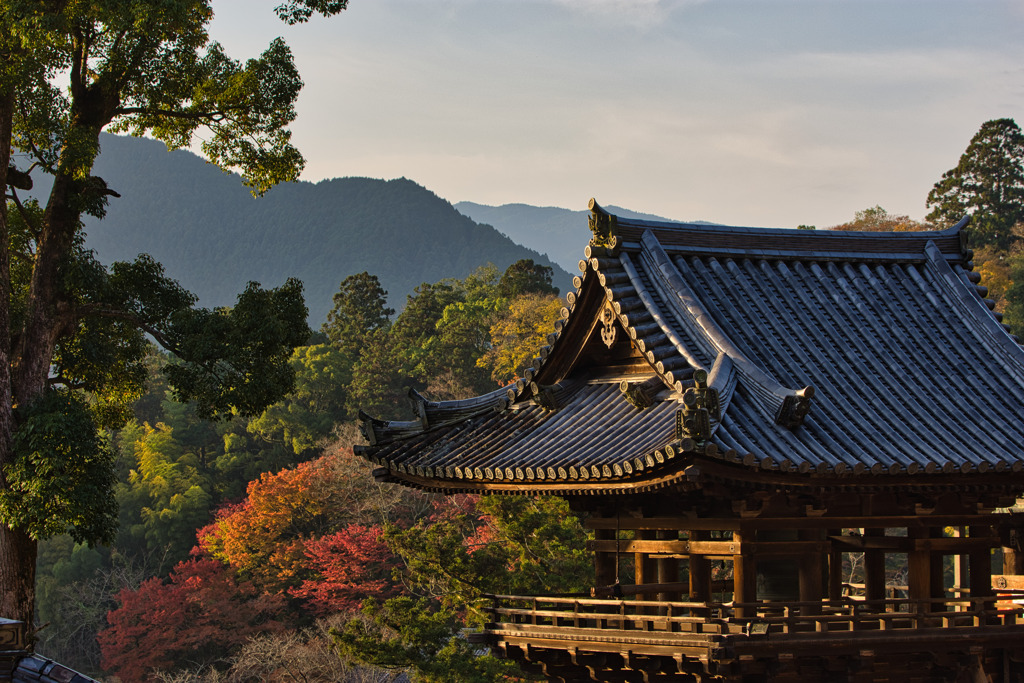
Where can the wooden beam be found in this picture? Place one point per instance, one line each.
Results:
(666, 547)
(683, 523)
(907, 544)
(680, 523)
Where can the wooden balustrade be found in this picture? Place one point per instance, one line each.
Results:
(774, 619)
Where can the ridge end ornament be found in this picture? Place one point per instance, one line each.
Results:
(604, 226)
(701, 406)
(794, 408)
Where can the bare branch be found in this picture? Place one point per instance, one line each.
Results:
(209, 116)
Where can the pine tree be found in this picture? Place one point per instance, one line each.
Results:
(987, 184)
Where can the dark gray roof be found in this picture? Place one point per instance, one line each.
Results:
(33, 668)
(833, 354)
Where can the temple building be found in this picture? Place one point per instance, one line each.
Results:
(749, 419)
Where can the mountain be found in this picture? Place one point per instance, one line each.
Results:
(214, 237)
(560, 233)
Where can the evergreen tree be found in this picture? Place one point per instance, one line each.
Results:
(360, 309)
(987, 184)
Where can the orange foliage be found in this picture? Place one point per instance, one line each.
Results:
(264, 538)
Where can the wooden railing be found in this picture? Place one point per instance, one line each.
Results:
(753, 618)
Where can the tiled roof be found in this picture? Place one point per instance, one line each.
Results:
(833, 354)
(19, 665)
(35, 669)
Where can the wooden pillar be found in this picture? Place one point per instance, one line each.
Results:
(700, 571)
(1013, 557)
(811, 587)
(605, 569)
(645, 566)
(874, 568)
(938, 579)
(744, 573)
(959, 565)
(1013, 561)
(835, 567)
(668, 567)
(980, 567)
(919, 574)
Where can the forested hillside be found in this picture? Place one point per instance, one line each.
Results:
(214, 237)
(558, 232)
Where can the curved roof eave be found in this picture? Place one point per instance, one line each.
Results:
(613, 293)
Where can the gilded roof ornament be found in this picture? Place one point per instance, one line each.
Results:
(608, 333)
(604, 226)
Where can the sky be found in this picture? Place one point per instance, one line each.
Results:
(767, 113)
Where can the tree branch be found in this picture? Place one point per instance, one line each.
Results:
(106, 311)
(25, 216)
(210, 116)
(53, 381)
(32, 146)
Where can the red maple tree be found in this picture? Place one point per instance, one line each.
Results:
(350, 566)
(200, 612)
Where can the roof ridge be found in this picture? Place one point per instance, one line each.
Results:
(614, 231)
(784, 405)
(970, 303)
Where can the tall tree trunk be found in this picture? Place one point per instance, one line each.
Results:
(17, 575)
(17, 549)
(46, 296)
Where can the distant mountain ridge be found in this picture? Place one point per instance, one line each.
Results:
(560, 233)
(214, 237)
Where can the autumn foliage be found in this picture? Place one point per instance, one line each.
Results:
(349, 566)
(202, 611)
(290, 549)
(318, 538)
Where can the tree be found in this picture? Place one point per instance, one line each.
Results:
(408, 634)
(987, 184)
(469, 546)
(877, 219)
(360, 309)
(291, 523)
(526, 277)
(306, 417)
(351, 564)
(518, 334)
(202, 611)
(67, 323)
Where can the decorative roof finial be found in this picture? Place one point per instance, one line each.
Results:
(604, 226)
(701, 406)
